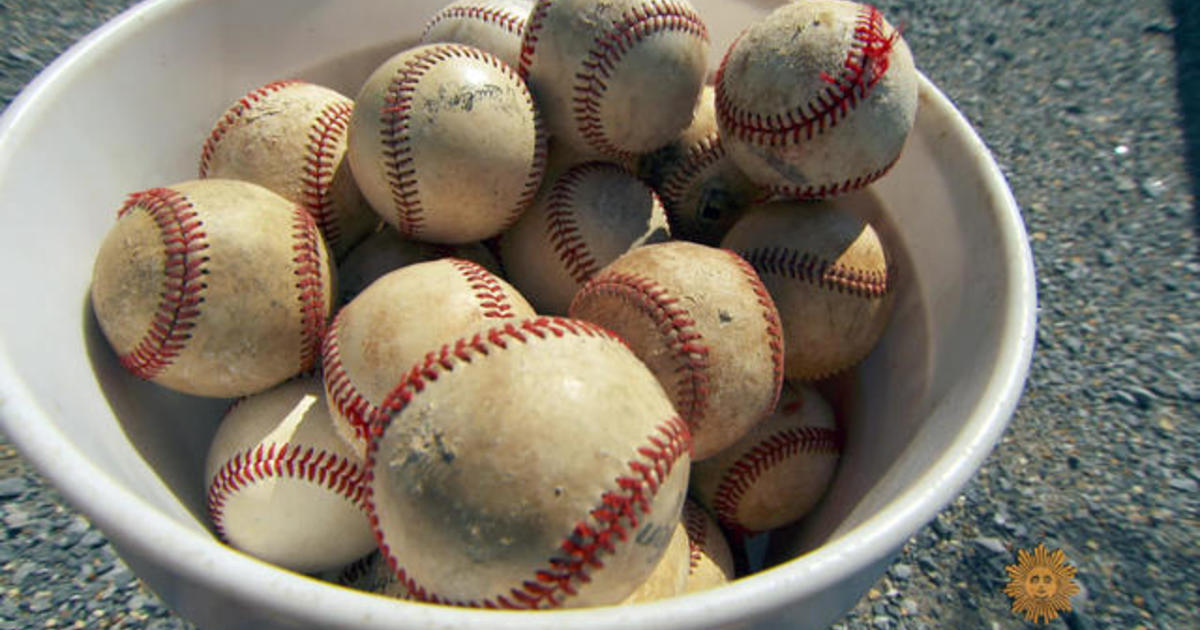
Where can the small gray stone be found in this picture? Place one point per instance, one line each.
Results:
(1154, 187)
(13, 487)
(901, 571)
(92, 539)
(40, 602)
(883, 623)
(989, 544)
(909, 606)
(1184, 484)
(1126, 184)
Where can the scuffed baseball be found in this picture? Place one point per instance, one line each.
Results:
(702, 321)
(817, 98)
(585, 219)
(830, 276)
(775, 474)
(615, 76)
(445, 143)
(370, 574)
(389, 327)
(495, 26)
(669, 578)
(385, 251)
(702, 190)
(710, 563)
(290, 137)
(213, 287)
(533, 465)
(282, 487)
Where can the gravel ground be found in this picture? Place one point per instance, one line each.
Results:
(1081, 102)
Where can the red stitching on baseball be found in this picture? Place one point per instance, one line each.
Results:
(616, 514)
(395, 116)
(770, 451)
(326, 469)
(493, 299)
(307, 258)
(865, 65)
(231, 116)
(326, 132)
(695, 522)
(529, 38)
(591, 82)
(699, 157)
(774, 327)
(183, 239)
(821, 191)
(504, 17)
(351, 405)
(562, 224)
(676, 326)
(825, 274)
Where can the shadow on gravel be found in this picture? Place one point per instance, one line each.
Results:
(1187, 66)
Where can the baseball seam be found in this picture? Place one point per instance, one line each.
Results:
(696, 524)
(349, 402)
(395, 116)
(616, 514)
(770, 451)
(609, 47)
(184, 267)
(825, 274)
(865, 65)
(677, 328)
(562, 222)
(503, 17)
(774, 327)
(307, 259)
(232, 115)
(324, 137)
(829, 189)
(283, 461)
(529, 37)
(493, 299)
(700, 156)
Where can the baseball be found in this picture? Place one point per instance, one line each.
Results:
(615, 76)
(385, 251)
(776, 473)
(817, 98)
(585, 219)
(386, 329)
(704, 324)
(468, 165)
(494, 26)
(830, 276)
(710, 562)
(703, 191)
(290, 137)
(369, 573)
(213, 287)
(537, 464)
(670, 576)
(282, 487)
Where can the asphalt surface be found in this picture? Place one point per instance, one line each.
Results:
(1093, 111)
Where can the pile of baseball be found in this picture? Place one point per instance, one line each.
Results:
(512, 327)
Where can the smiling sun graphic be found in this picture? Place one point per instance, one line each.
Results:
(1040, 584)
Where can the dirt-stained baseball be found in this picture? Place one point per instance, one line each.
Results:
(830, 276)
(702, 190)
(585, 219)
(446, 144)
(386, 250)
(382, 333)
(704, 324)
(290, 137)
(495, 26)
(282, 487)
(213, 287)
(669, 578)
(817, 98)
(776, 473)
(615, 76)
(537, 464)
(710, 562)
